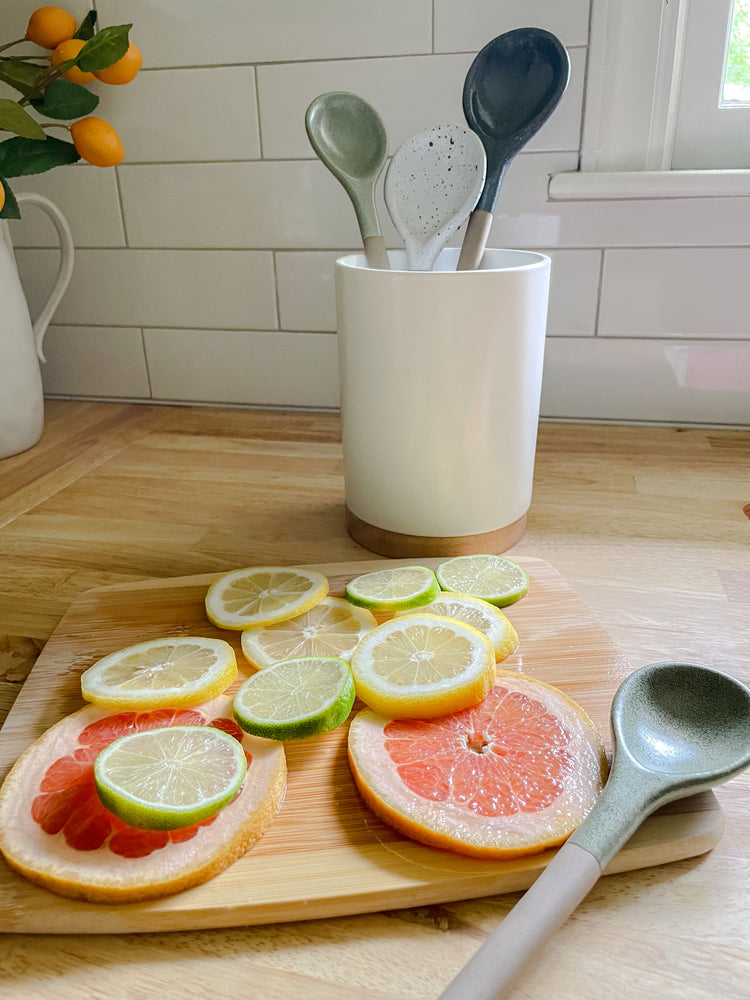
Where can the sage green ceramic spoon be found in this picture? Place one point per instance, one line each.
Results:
(349, 137)
(679, 728)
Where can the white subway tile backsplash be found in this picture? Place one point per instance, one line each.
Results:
(307, 298)
(679, 292)
(257, 205)
(470, 24)
(197, 33)
(185, 114)
(87, 197)
(95, 361)
(204, 263)
(525, 217)
(154, 287)
(241, 366)
(649, 380)
(434, 85)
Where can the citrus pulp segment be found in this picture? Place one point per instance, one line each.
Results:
(260, 595)
(481, 615)
(55, 831)
(161, 673)
(166, 779)
(512, 776)
(295, 699)
(332, 627)
(393, 589)
(492, 578)
(422, 666)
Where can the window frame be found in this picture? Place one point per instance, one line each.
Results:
(630, 115)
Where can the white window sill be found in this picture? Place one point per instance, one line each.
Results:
(628, 185)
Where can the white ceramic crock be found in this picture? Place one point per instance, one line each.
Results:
(440, 376)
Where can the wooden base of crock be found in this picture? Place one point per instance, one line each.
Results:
(396, 545)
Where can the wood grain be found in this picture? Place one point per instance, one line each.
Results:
(325, 854)
(647, 524)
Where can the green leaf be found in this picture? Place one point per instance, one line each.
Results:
(19, 74)
(13, 118)
(64, 100)
(19, 157)
(10, 208)
(86, 29)
(104, 49)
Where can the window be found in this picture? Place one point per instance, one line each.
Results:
(656, 122)
(712, 127)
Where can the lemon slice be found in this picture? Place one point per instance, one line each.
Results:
(393, 589)
(296, 698)
(331, 628)
(161, 673)
(481, 615)
(423, 666)
(261, 595)
(166, 779)
(492, 578)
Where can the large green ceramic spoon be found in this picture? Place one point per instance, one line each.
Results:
(679, 728)
(349, 137)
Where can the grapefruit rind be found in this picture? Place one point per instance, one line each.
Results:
(100, 875)
(455, 827)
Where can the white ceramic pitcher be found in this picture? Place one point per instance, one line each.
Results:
(21, 396)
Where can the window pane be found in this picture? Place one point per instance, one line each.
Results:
(736, 87)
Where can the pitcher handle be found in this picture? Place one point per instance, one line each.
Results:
(65, 271)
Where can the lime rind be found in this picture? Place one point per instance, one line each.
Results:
(395, 589)
(492, 578)
(211, 755)
(161, 673)
(295, 699)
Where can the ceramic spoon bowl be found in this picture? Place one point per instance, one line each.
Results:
(679, 728)
(432, 184)
(349, 137)
(512, 87)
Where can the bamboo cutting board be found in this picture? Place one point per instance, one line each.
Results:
(325, 854)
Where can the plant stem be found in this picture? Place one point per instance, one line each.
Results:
(9, 45)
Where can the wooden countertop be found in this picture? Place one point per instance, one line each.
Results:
(649, 525)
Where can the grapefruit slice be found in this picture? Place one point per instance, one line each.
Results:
(510, 777)
(55, 831)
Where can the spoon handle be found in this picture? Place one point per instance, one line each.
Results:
(475, 240)
(376, 253)
(542, 909)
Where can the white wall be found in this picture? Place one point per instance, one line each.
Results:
(204, 262)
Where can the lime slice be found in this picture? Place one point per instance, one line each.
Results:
(297, 698)
(481, 615)
(422, 666)
(261, 595)
(166, 779)
(333, 627)
(161, 673)
(492, 578)
(393, 589)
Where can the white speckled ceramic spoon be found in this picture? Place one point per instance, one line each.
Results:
(433, 182)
